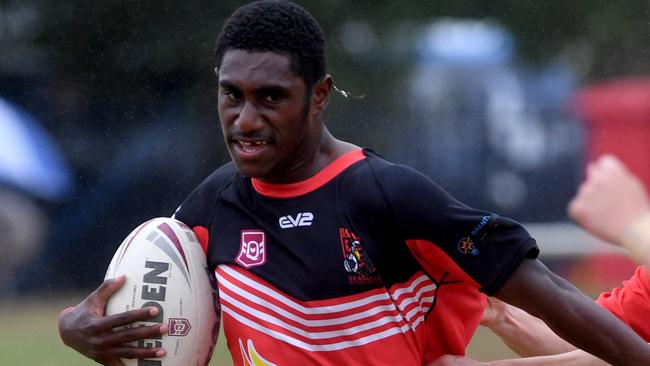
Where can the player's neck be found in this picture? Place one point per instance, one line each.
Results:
(327, 150)
(331, 149)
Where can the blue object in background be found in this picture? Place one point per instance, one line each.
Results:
(29, 159)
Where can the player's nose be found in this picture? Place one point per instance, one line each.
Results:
(249, 118)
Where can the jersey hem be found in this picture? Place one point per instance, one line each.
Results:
(528, 249)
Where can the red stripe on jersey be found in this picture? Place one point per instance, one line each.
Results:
(358, 317)
(249, 278)
(414, 298)
(345, 322)
(310, 184)
(459, 304)
(252, 288)
(313, 340)
(272, 349)
(203, 235)
(349, 330)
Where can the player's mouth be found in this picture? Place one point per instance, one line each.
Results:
(250, 149)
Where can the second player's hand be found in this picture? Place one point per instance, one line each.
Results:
(609, 200)
(87, 330)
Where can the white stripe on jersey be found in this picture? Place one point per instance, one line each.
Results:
(307, 322)
(312, 334)
(314, 347)
(401, 308)
(396, 293)
(285, 300)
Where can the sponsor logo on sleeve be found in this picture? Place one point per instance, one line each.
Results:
(466, 246)
(483, 228)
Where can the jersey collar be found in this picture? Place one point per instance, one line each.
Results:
(310, 184)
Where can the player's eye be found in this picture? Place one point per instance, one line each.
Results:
(273, 98)
(233, 95)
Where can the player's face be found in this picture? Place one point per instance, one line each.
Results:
(266, 116)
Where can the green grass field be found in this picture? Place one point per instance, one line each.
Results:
(29, 337)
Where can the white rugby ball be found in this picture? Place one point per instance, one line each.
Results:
(165, 267)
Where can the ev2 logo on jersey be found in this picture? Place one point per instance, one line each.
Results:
(301, 219)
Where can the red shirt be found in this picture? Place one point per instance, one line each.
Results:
(631, 303)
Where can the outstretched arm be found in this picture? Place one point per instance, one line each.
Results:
(574, 358)
(87, 330)
(572, 315)
(523, 333)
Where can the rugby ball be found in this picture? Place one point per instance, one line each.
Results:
(165, 267)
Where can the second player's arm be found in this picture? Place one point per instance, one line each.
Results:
(574, 358)
(572, 315)
(523, 333)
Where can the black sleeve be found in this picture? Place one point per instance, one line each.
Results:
(485, 246)
(198, 207)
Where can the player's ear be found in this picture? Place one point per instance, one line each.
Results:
(320, 95)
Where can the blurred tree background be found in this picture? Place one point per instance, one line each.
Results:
(127, 91)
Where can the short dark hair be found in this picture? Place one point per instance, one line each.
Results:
(277, 26)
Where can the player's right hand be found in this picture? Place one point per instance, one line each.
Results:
(89, 332)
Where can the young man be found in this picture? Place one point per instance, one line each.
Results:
(327, 254)
(613, 205)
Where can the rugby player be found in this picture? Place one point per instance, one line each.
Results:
(327, 254)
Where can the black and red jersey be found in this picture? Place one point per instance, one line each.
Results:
(366, 263)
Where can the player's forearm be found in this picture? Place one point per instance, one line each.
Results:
(574, 358)
(573, 316)
(527, 335)
(589, 327)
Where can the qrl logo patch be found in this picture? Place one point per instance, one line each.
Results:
(252, 251)
(179, 327)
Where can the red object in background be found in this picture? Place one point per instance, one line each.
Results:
(597, 273)
(617, 116)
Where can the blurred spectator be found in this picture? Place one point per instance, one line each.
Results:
(494, 134)
(30, 169)
(23, 228)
